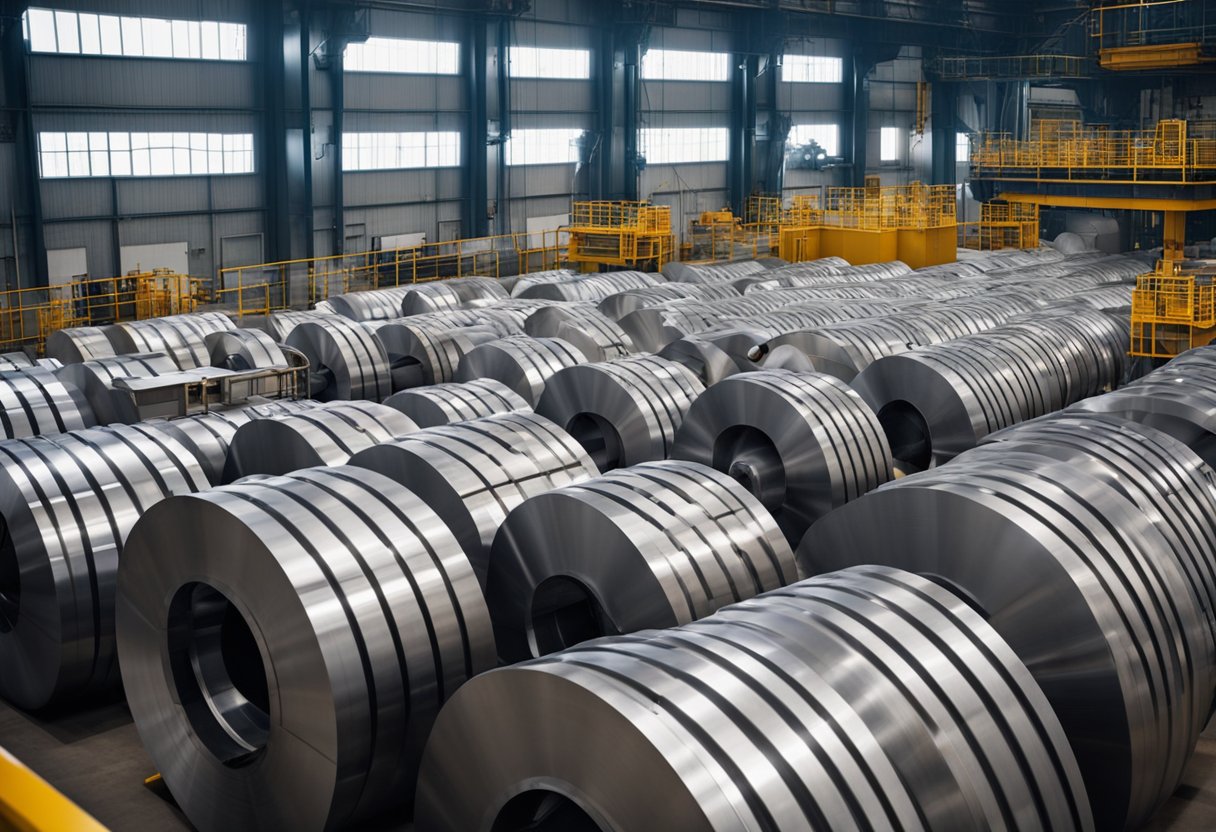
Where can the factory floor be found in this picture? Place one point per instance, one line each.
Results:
(95, 758)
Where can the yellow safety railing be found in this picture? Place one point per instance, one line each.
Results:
(30, 804)
(913, 206)
(28, 315)
(1171, 312)
(1001, 225)
(1175, 151)
(265, 287)
(635, 235)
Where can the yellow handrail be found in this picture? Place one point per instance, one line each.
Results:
(30, 804)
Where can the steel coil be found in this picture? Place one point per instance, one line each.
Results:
(619, 305)
(595, 335)
(368, 305)
(35, 402)
(594, 287)
(69, 503)
(1083, 587)
(450, 293)
(652, 328)
(281, 323)
(443, 404)
(344, 358)
(802, 443)
(655, 545)
(845, 349)
(327, 435)
(80, 343)
(865, 699)
(96, 377)
(14, 361)
(705, 359)
(517, 284)
(244, 349)
(678, 272)
(285, 666)
(622, 412)
(427, 351)
(523, 364)
(474, 473)
(181, 337)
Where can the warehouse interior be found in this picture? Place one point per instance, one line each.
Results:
(504, 415)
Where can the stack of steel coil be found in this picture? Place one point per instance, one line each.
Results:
(654, 545)
(281, 323)
(442, 404)
(244, 349)
(368, 305)
(96, 378)
(619, 305)
(327, 435)
(69, 502)
(678, 272)
(344, 358)
(705, 359)
(518, 283)
(625, 411)
(594, 287)
(1070, 563)
(802, 443)
(473, 473)
(652, 328)
(523, 364)
(451, 293)
(937, 401)
(80, 343)
(181, 337)
(285, 666)
(35, 402)
(594, 334)
(427, 350)
(865, 699)
(843, 349)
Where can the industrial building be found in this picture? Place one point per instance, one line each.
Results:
(504, 415)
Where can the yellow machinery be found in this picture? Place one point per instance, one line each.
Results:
(1001, 225)
(1172, 312)
(914, 223)
(633, 235)
(1135, 35)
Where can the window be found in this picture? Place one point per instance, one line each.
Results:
(888, 145)
(675, 145)
(812, 69)
(396, 151)
(80, 33)
(543, 147)
(670, 65)
(144, 154)
(534, 62)
(826, 136)
(421, 57)
(962, 148)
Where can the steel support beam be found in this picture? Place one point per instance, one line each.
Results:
(943, 109)
(474, 158)
(28, 196)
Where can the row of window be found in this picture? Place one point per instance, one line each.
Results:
(193, 154)
(79, 33)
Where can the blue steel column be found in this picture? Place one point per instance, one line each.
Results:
(476, 134)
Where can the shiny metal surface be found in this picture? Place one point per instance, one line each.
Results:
(1081, 584)
(802, 443)
(368, 305)
(442, 404)
(281, 323)
(80, 343)
(285, 667)
(705, 359)
(711, 272)
(426, 350)
(475, 472)
(622, 412)
(450, 293)
(595, 335)
(345, 360)
(617, 306)
(284, 442)
(588, 287)
(96, 377)
(864, 699)
(244, 349)
(181, 337)
(34, 401)
(68, 503)
(523, 364)
(654, 545)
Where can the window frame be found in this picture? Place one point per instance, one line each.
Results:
(661, 75)
(141, 155)
(791, 59)
(375, 145)
(117, 33)
(647, 135)
(897, 156)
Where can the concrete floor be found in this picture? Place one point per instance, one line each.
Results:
(96, 759)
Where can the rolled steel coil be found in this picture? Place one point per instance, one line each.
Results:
(327, 435)
(1086, 591)
(284, 668)
(653, 328)
(937, 401)
(518, 283)
(474, 473)
(655, 545)
(368, 305)
(35, 402)
(589, 287)
(869, 698)
(79, 343)
(70, 501)
(210, 434)
(523, 364)
(802, 443)
(442, 404)
(14, 361)
(428, 351)
(181, 337)
(280, 324)
(845, 349)
(617, 306)
(96, 377)
(705, 359)
(595, 335)
(711, 272)
(244, 349)
(345, 360)
(622, 412)
(451, 293)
